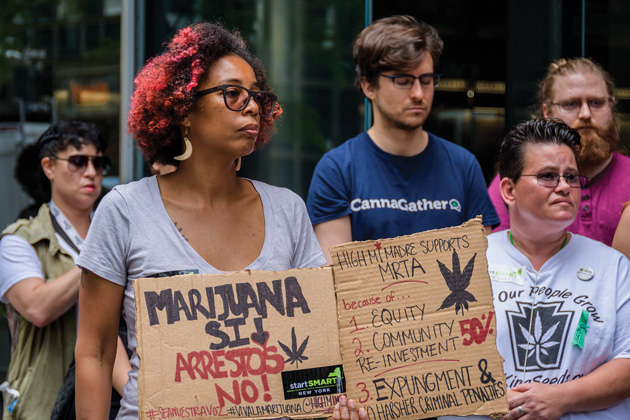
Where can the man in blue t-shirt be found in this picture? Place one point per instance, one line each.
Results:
(396, 179)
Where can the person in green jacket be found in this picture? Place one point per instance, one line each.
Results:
(40, 282)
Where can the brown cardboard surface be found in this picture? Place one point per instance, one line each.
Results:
(219, 345)
(417, 339)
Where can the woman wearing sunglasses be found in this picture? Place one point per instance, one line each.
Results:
(201, 105)
(39, 281)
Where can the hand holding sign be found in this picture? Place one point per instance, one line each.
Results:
(414, 325)
(346, 409)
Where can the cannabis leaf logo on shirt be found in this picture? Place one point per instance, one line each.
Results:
(538, 341)
(295, 355)
(458, 281)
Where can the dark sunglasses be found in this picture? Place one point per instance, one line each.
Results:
(237, 97)
(78, 163)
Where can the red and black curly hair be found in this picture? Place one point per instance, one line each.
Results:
(165, 88)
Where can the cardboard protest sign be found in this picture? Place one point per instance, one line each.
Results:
(241, 345)
(417, 326)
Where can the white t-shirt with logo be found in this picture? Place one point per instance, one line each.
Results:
(585, 275)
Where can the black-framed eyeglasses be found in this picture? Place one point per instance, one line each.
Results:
(571, 106)
(552, 179)
(237, 97)
(78, 163)
(406, 81)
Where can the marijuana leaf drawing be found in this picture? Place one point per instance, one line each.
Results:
(458, 281)
(538, 342)
(295, 355)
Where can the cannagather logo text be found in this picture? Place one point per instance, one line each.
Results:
(403, 204)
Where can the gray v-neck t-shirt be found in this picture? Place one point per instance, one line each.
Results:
(132, 236)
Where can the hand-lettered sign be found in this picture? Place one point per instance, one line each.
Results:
(417, 326)
(243, 345)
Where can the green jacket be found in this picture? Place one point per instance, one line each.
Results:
(40, 356)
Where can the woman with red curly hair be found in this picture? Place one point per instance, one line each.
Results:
(201, 105)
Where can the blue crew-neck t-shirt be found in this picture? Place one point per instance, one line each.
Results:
(388, 195)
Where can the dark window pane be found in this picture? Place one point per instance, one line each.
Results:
(112, 30)
(92, 36)
(69, 40)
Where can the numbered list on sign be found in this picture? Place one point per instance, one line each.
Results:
(417, 326)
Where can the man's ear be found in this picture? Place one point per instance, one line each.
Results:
(507, 188)
(545, 110)
(368, 89)
(48, 167)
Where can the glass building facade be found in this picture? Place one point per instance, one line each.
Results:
(74, 59)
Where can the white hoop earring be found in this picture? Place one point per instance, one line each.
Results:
(238, 164)
(187, 150)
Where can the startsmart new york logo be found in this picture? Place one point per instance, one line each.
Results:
(310, 382)
(359, 204)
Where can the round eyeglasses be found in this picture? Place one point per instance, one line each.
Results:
(78, 163)
(552, 179)
(237, 97)
(406, 81)
(572, 106)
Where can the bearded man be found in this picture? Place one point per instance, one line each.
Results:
(581, 93)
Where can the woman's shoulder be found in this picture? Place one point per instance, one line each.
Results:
(40, 225)
(124, 198)
(138, 186)
(497, 238)
(593, 247)
(276, 193)
(283, 203)
(134, 190)
(608, 263)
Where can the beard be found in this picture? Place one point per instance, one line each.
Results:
(598, 144)
(393, 119)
